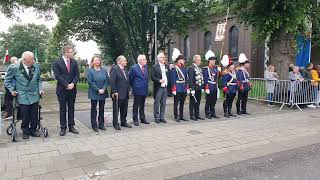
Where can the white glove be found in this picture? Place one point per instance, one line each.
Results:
(202, 90)
(193, 92)
(207, 91)
(188, 91)
(219, 69)
(174, 93)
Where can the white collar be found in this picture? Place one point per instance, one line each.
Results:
(140, 66)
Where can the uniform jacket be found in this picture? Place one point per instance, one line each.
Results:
(179, 79)
(243, 78)
(229, 80)
(28, 88)
(195, 78)
(139, 80)
(210, 76)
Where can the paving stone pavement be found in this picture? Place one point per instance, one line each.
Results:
(156, 151)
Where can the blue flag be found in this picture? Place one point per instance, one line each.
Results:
(304, 51)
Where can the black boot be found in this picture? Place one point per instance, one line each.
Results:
(230, 114)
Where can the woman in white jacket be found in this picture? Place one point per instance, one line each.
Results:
(272, 78)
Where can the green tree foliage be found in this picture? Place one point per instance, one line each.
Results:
(127, 26)
(20, 38)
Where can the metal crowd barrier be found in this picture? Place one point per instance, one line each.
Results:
(284, 92)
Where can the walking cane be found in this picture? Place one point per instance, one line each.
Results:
(195, 99)
(115, 97)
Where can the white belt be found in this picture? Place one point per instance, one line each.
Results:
(246, 81)
(212, 82)
(180, 82)
(232, 84)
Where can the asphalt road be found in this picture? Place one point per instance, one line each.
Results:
(298, 164)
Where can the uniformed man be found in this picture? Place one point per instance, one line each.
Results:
(229, 84)
(179, 84)
(211, 74)
(244, 83)
(196, 87)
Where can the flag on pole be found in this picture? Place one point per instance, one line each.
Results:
(36, 54)
(6, 57)
(221, 28)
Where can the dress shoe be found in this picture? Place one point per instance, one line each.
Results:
(215, 116)
(73, 130)
(136, 123)
(103, 128)
(226, 115)
(126, 125)
(208, 117)
(157, 121)
(193, 118)
(201, 118)
(95, 129)
(233, 115)
(246, 113)
(117, 127)
(35, 134)
(239, 113)
(183, 119)
(177, 120)
(63, 132)
(25, 136)
(163, 121)
(145, 122)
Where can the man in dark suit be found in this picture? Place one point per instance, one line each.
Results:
(120, 86)
(138, 76)
(66, 72)
(196, 83)
(160, 78)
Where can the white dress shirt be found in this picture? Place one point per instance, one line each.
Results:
(164, 75)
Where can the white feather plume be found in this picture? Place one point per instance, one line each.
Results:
(209, 55)
(175, 54)
(242, 58)
(225, 61)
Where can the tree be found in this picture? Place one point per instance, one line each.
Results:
(127, 27)
(280, 21)
(30, 37)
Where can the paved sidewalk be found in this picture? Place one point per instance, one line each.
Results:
(158, 153)
(155, 151)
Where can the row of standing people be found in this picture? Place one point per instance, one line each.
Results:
(23, 79)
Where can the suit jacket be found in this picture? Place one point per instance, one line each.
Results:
(156, 76)
(195, 84)
(119, 84)
(64, 77)
(28, 88)
(139, 80)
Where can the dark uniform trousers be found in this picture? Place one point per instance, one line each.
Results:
(242, 101)
(195, 104)
(122, 106)
(138, 105)
(30, 118)
(227, 103)
(179, 99)
(211, 100)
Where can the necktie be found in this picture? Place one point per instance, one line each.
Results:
(30, 72)
(124, 73)
(142, 70)
(68, 65)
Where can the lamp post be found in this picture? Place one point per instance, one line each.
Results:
(155, 11)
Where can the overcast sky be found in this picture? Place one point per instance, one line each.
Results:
(85, 49)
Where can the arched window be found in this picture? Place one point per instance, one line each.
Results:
(207, 41)
(187, 47)
(233, 42)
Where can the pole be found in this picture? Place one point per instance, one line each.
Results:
(222, 43)
(155, 9)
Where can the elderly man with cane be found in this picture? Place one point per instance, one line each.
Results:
(23, 81)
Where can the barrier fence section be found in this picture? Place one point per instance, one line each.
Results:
(284, 92)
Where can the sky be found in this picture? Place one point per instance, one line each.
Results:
(85, 49)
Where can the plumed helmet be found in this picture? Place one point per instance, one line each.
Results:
(175, 54)
(226, 61)
(210, 56)
(243, 59)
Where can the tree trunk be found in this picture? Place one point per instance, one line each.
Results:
(282, 53)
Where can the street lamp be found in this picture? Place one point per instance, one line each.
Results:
(155, 11)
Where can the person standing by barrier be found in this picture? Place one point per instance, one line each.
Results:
(98, 81)
(272, 77)
(315, 79)
(243, 77)
(179, 83)
(295, 78)
(229, 85)
(211, 75)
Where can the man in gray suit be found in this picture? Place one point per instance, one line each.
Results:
(23, 81)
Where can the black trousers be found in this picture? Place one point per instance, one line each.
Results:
(195, 104)
(242, 101)
(122, 106)
(227, 103)
(178, 100)
(30, 118)
(94, 113)
(138, 107)
(66, 103)
(8, 98)
(211, 100)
